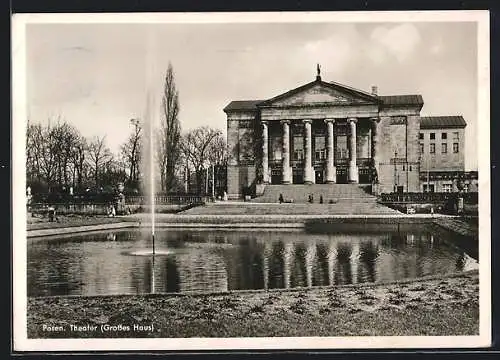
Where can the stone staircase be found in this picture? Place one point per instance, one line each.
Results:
(347, 199)
(300, 193)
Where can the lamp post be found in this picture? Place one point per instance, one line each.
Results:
(395, 172)
(213, 182)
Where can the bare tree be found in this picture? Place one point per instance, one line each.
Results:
(99, 155)
(169, 136)
(131, 153)
(218, 151)
(198, 146)
(78, 156)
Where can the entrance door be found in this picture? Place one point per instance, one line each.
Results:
(298, 176)
(276, 176)
(319, 176)
(365, 176)
(341, 175)
(399, 189)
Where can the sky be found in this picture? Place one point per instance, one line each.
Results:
(95, 75)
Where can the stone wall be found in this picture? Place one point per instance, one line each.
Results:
(239, 177)
(438, 161)
(398, 132)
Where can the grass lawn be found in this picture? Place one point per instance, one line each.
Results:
(446, 306)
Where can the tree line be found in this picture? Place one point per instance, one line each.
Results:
(60, 158)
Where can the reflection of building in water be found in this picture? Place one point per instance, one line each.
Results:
(368, 255)
(354, 261)
(299, 272)
(265, 264)
(276, 280)
(332, 254)
(244, 264)
(288, 259)
(201, 270)
(320, 271)
(343, 273)
(310, 258)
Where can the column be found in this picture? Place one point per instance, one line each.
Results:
(287, 171)
(353, 167)
(331, 172)
(308, 167)
(265, 153)
(374, 149)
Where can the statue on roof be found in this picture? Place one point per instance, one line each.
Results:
(318, 69)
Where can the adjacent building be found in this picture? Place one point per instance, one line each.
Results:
(325, 132)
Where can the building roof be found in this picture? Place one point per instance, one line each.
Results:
(355, 93)
(392, 100)
(440, 122)
(395, 100)
(243, 105)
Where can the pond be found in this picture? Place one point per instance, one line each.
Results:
(215, 260)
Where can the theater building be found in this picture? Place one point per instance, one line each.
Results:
(325, 132)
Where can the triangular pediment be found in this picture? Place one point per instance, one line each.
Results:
(321, 93)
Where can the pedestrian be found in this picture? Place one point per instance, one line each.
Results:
(280, 199)
(321, 199)
(52, 213)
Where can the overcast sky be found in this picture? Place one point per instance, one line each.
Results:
(94, 75)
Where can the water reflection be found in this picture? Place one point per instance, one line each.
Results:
(214, 261)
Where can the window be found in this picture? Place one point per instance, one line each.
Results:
(320, 155)
(342, 151)
(433, 136)
(455, 136)
(298, 148)
(444, 136)
(421, 136)
(410, 168)
(298, 154)
(444, 148)
(455, 147)
(428, 187)
(432, 148)
(421, 148)
(446, 187)
(403, 168)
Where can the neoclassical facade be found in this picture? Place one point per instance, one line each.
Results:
(325, 132)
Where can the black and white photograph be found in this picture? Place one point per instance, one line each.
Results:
(214, 181)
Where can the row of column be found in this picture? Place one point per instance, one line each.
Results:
(308, 166)
(310, 259)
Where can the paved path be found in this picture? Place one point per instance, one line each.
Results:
(78, 229)
(235, 221)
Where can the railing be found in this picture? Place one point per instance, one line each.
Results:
(297, 163)
(69, 208)
(428, 197)
(341, 161)
(275, 163)
(168, 200)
